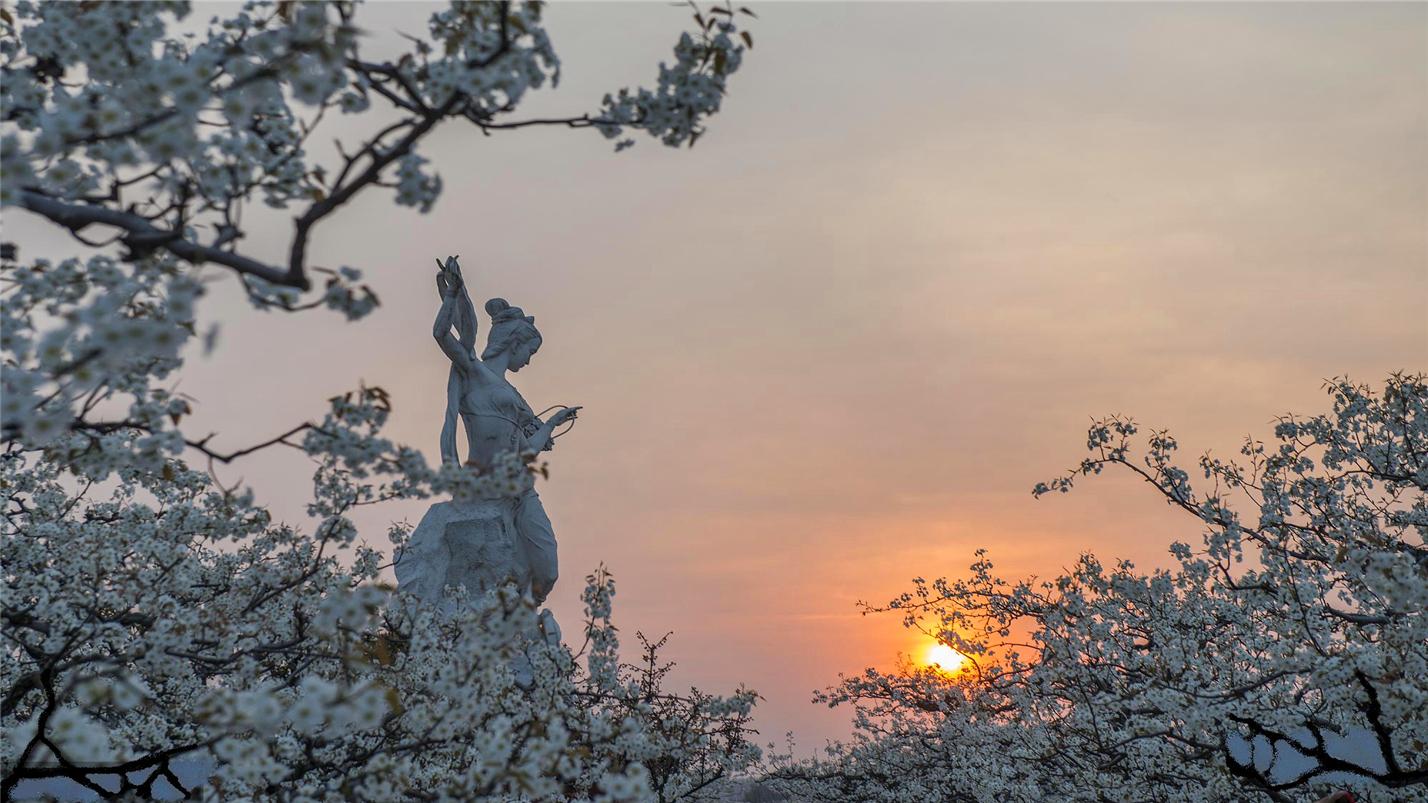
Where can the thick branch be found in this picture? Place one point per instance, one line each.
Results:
(143, 235)
(1356, 618)
(340, 195)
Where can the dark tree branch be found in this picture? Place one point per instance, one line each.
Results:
(200, 445)
(144, 235)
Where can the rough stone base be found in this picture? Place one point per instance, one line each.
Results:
(472, 544)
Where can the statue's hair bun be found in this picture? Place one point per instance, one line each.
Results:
(501, 311)
(507, 330)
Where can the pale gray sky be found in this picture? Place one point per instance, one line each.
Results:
(833, 346)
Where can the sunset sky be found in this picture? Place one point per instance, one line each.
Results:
(834, 346)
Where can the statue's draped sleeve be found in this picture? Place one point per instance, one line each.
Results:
(465, 323)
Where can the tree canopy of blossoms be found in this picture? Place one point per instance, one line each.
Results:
(113, 122)
(1283, 657)
(151, 616)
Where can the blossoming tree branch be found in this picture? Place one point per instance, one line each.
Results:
(162, 143)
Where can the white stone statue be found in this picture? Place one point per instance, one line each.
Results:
(485, 542)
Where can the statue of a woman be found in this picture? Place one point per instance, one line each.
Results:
(494, 414)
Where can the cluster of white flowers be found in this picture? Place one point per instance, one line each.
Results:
(153, 616)
(491, 54)
(108, 334)
(149, 100)
(415, 188)
(689, 90)
(1284, 658)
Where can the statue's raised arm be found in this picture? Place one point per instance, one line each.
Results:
(456, 311)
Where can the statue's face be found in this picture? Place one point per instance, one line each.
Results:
(523, 354)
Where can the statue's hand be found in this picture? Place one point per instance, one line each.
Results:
(447, 286)
(452, 266)
(448, 281)
(560, 418)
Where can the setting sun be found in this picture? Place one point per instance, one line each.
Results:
(945, 658)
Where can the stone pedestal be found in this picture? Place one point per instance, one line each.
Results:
(472, 544)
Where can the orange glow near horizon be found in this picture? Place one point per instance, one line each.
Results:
(945, 658)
